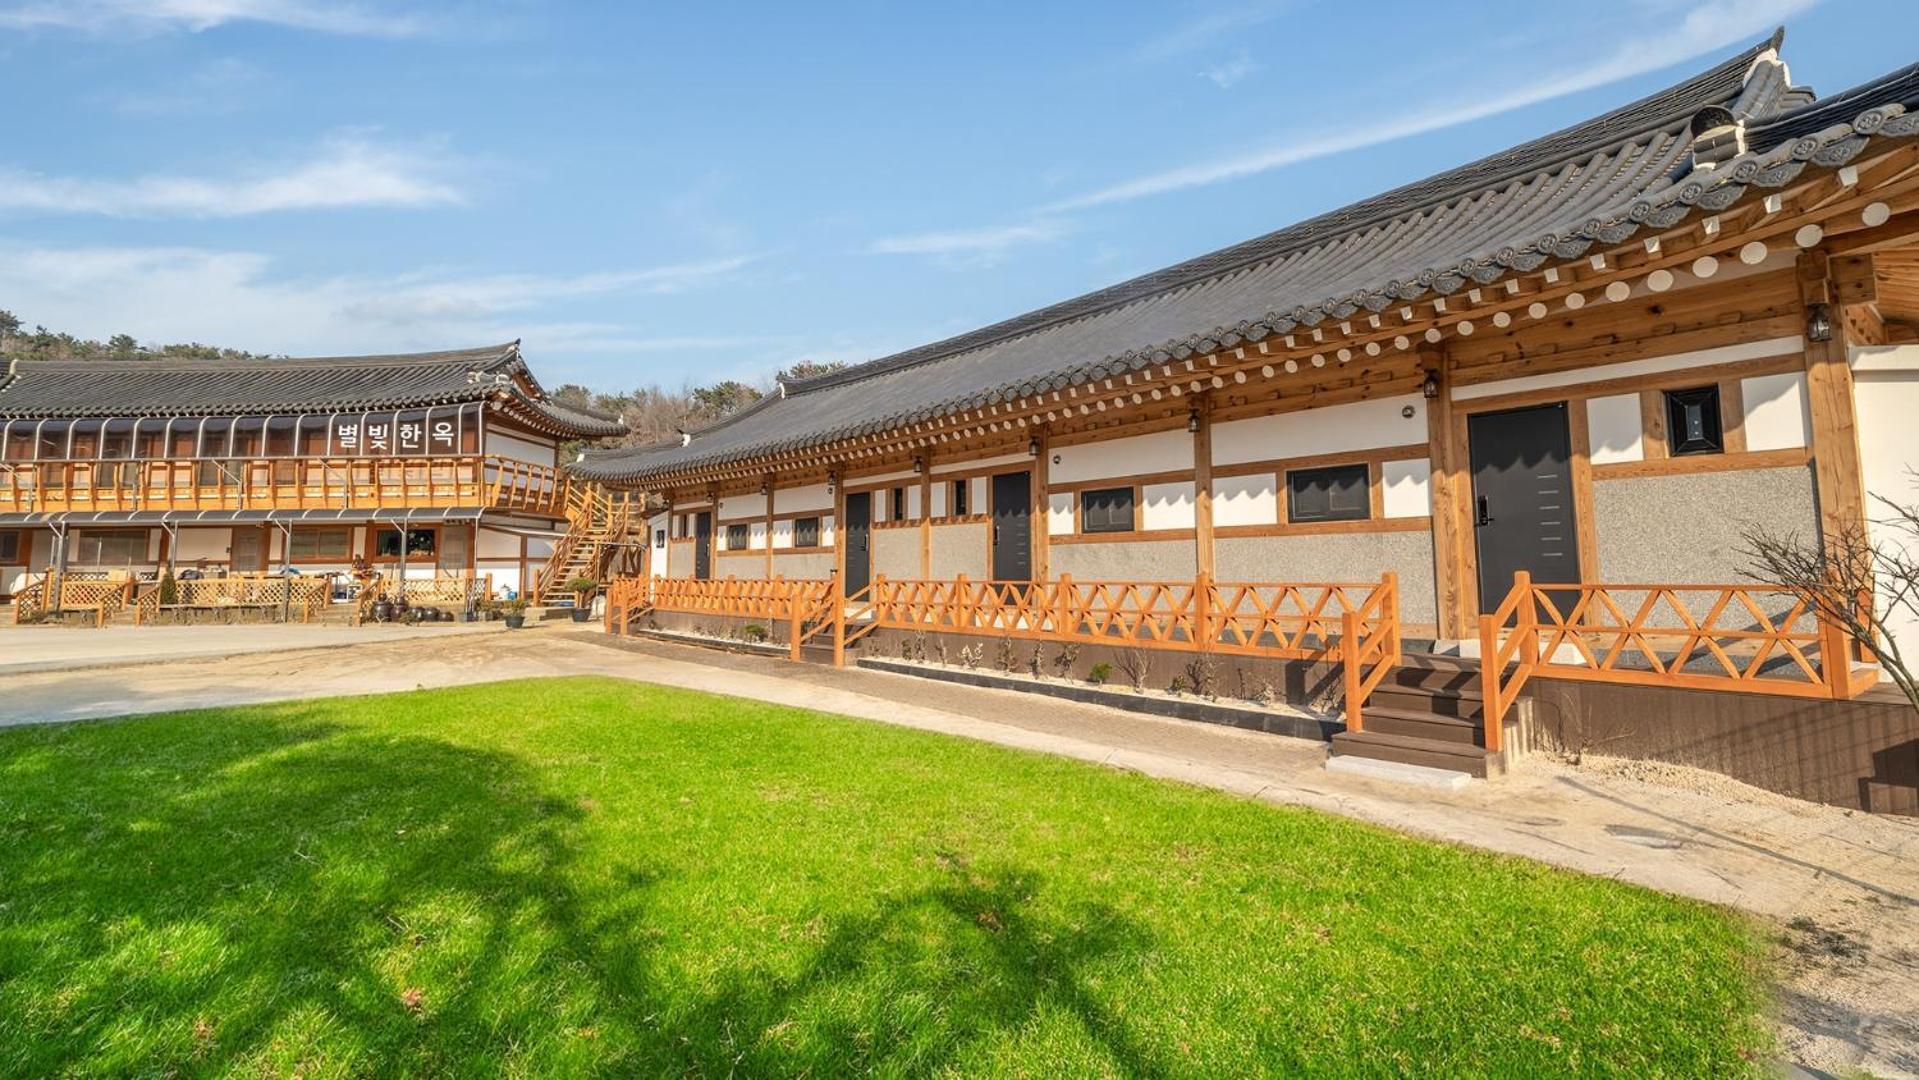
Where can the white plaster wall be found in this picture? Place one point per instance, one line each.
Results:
(493, 544)
(976, 495)
(500, 444)
(1617, 429)
(735, 507)
(1658, 365)
(1361, 425)
(1777, 417)
(197, 544)
(795, 500)
(1886, 396)
(968, 464)
(656, 562)
(1408, 487)
(913, 503)
(941, 490)
(1162, 451)
(1167, 506)
(1059, 514)
(1246, 500)
(505, 575)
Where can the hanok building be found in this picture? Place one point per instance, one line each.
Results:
(1597, 358)
(420, 465)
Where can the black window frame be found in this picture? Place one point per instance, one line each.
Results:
(898, 504)
(1109, 510)
(414, 535)
(18, 538)
(739, 535)
(1680, 405)
(962, 497)
(659, 537)
(311, 532)
(1339, 479)
(802, 527)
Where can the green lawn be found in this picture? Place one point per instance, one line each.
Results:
(575, 876)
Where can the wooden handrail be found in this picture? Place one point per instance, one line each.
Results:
(1756, 639)
(295, 483)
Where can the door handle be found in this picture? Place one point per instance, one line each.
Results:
(1484, 518)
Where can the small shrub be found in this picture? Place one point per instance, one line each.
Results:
(917, 642)
(753, 632)
(1003, 656)
(970, 656)
(1177, 686)
(1068, 656)
(939, 651)
(169, 590)
(1137, 665)
(1101, 672)
(1037, 665)
(1202, 674)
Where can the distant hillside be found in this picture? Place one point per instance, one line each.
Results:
(41, 343)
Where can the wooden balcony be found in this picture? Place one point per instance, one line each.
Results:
(470, 481)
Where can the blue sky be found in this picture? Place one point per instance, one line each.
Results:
(670, 192)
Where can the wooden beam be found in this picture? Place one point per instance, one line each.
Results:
(1829, 397)
(1042, 502)
(1203, 486)
(1448, 480)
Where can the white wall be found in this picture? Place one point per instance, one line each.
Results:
(1059, 514)
(794, 500)
(1245, 500)
(1777, 417)
(1361, 425)
(493, 544)
(500, 444)
(1167, 506)
(1408, 487)
(1617, 429)
(1162, 451)
(735, 507)
(196, 544)
(656, 561)
(1886, 395)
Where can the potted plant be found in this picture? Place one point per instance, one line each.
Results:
(515, 610)
(169, 590)
(582, 589)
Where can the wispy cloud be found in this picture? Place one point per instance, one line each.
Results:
(1704, 28)
(1227, 72)
(196, 16)
(1207, 30)
(971, 246)
(218, 87)
(235, 298)
(347, 171)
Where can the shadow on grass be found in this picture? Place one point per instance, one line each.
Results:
(271, 893)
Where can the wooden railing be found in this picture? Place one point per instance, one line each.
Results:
(1746, 638)
(262, 593)
(1355, 625)
(370, 592)
(447, 589)
(100, 593)
(282, 484)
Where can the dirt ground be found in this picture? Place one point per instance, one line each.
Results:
(1840, 889)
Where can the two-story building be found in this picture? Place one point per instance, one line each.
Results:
(415, 464)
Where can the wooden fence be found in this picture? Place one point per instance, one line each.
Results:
(228, 597)
(98, 593)
(1745, 638)
(1355, 625)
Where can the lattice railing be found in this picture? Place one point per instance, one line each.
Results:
(1748, 638)
(295, 596)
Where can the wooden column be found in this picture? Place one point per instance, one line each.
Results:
(1835, 428)
(769, 528)
(1042, 503)
(1203, 487)
(926, 516)
(1449, 481)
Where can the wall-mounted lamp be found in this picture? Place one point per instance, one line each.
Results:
(1429, 387)
(919, 464)
(1032, 446)
(832, 482)
(766, 485)
(1818, 322)
(1192, 421)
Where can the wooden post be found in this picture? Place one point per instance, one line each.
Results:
(1835, 656)
(926, 517)
(1448, 480)
(1042, 508)
(1490, 678)
(1203, 487)
(793, 618)
(1349, 664)
(1064, 600)
(1203, 610)
(1829, 399)
(839, 618)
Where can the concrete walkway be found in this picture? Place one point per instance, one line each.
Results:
(26, 649)
(1842, 887)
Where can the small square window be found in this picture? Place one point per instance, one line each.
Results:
(11, 547)
(1335, 493)
(806, 532)
(736, 537)
(659, 537)
(899, 505)
(1692, 421)
(1106, 510)
(960, 492)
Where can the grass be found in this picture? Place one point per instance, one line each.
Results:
(580, 876)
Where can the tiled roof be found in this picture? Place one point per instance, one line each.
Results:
(1549, 199)
(37, 389)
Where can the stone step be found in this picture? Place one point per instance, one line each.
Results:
(1413, 750)
(1465, 704)
(1421, 724)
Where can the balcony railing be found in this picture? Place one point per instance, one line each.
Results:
(282, 484)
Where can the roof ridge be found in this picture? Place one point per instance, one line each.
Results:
(1665, 107)
(492, 354)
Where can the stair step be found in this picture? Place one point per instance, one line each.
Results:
(1466, 704)
(1421, 724)
(1412, 750)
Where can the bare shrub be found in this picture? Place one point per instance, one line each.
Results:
(1137, 664)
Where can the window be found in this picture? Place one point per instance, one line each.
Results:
(1106, 510)
(1692, 421)
(659, 538)
(418, 542)
(899, 505)
(806, 532)
(110, 547)
(736, 537)
(1335, 493)
(321, 545)
(960, 493)
(12, 548)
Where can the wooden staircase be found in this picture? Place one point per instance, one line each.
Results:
(605, 535)
(1429, 711)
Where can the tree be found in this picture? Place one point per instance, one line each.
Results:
(1852, 582)
(812, 369)
(123, 347)
(723, 399)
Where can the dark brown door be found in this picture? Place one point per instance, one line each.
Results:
(1523, 515)
(1013, 527)
(248, 554)
(859, 541)
(703, 545)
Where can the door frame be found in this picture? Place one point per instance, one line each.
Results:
(992, 523)
(703, 544)
(843, 535)
(1459, 454)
